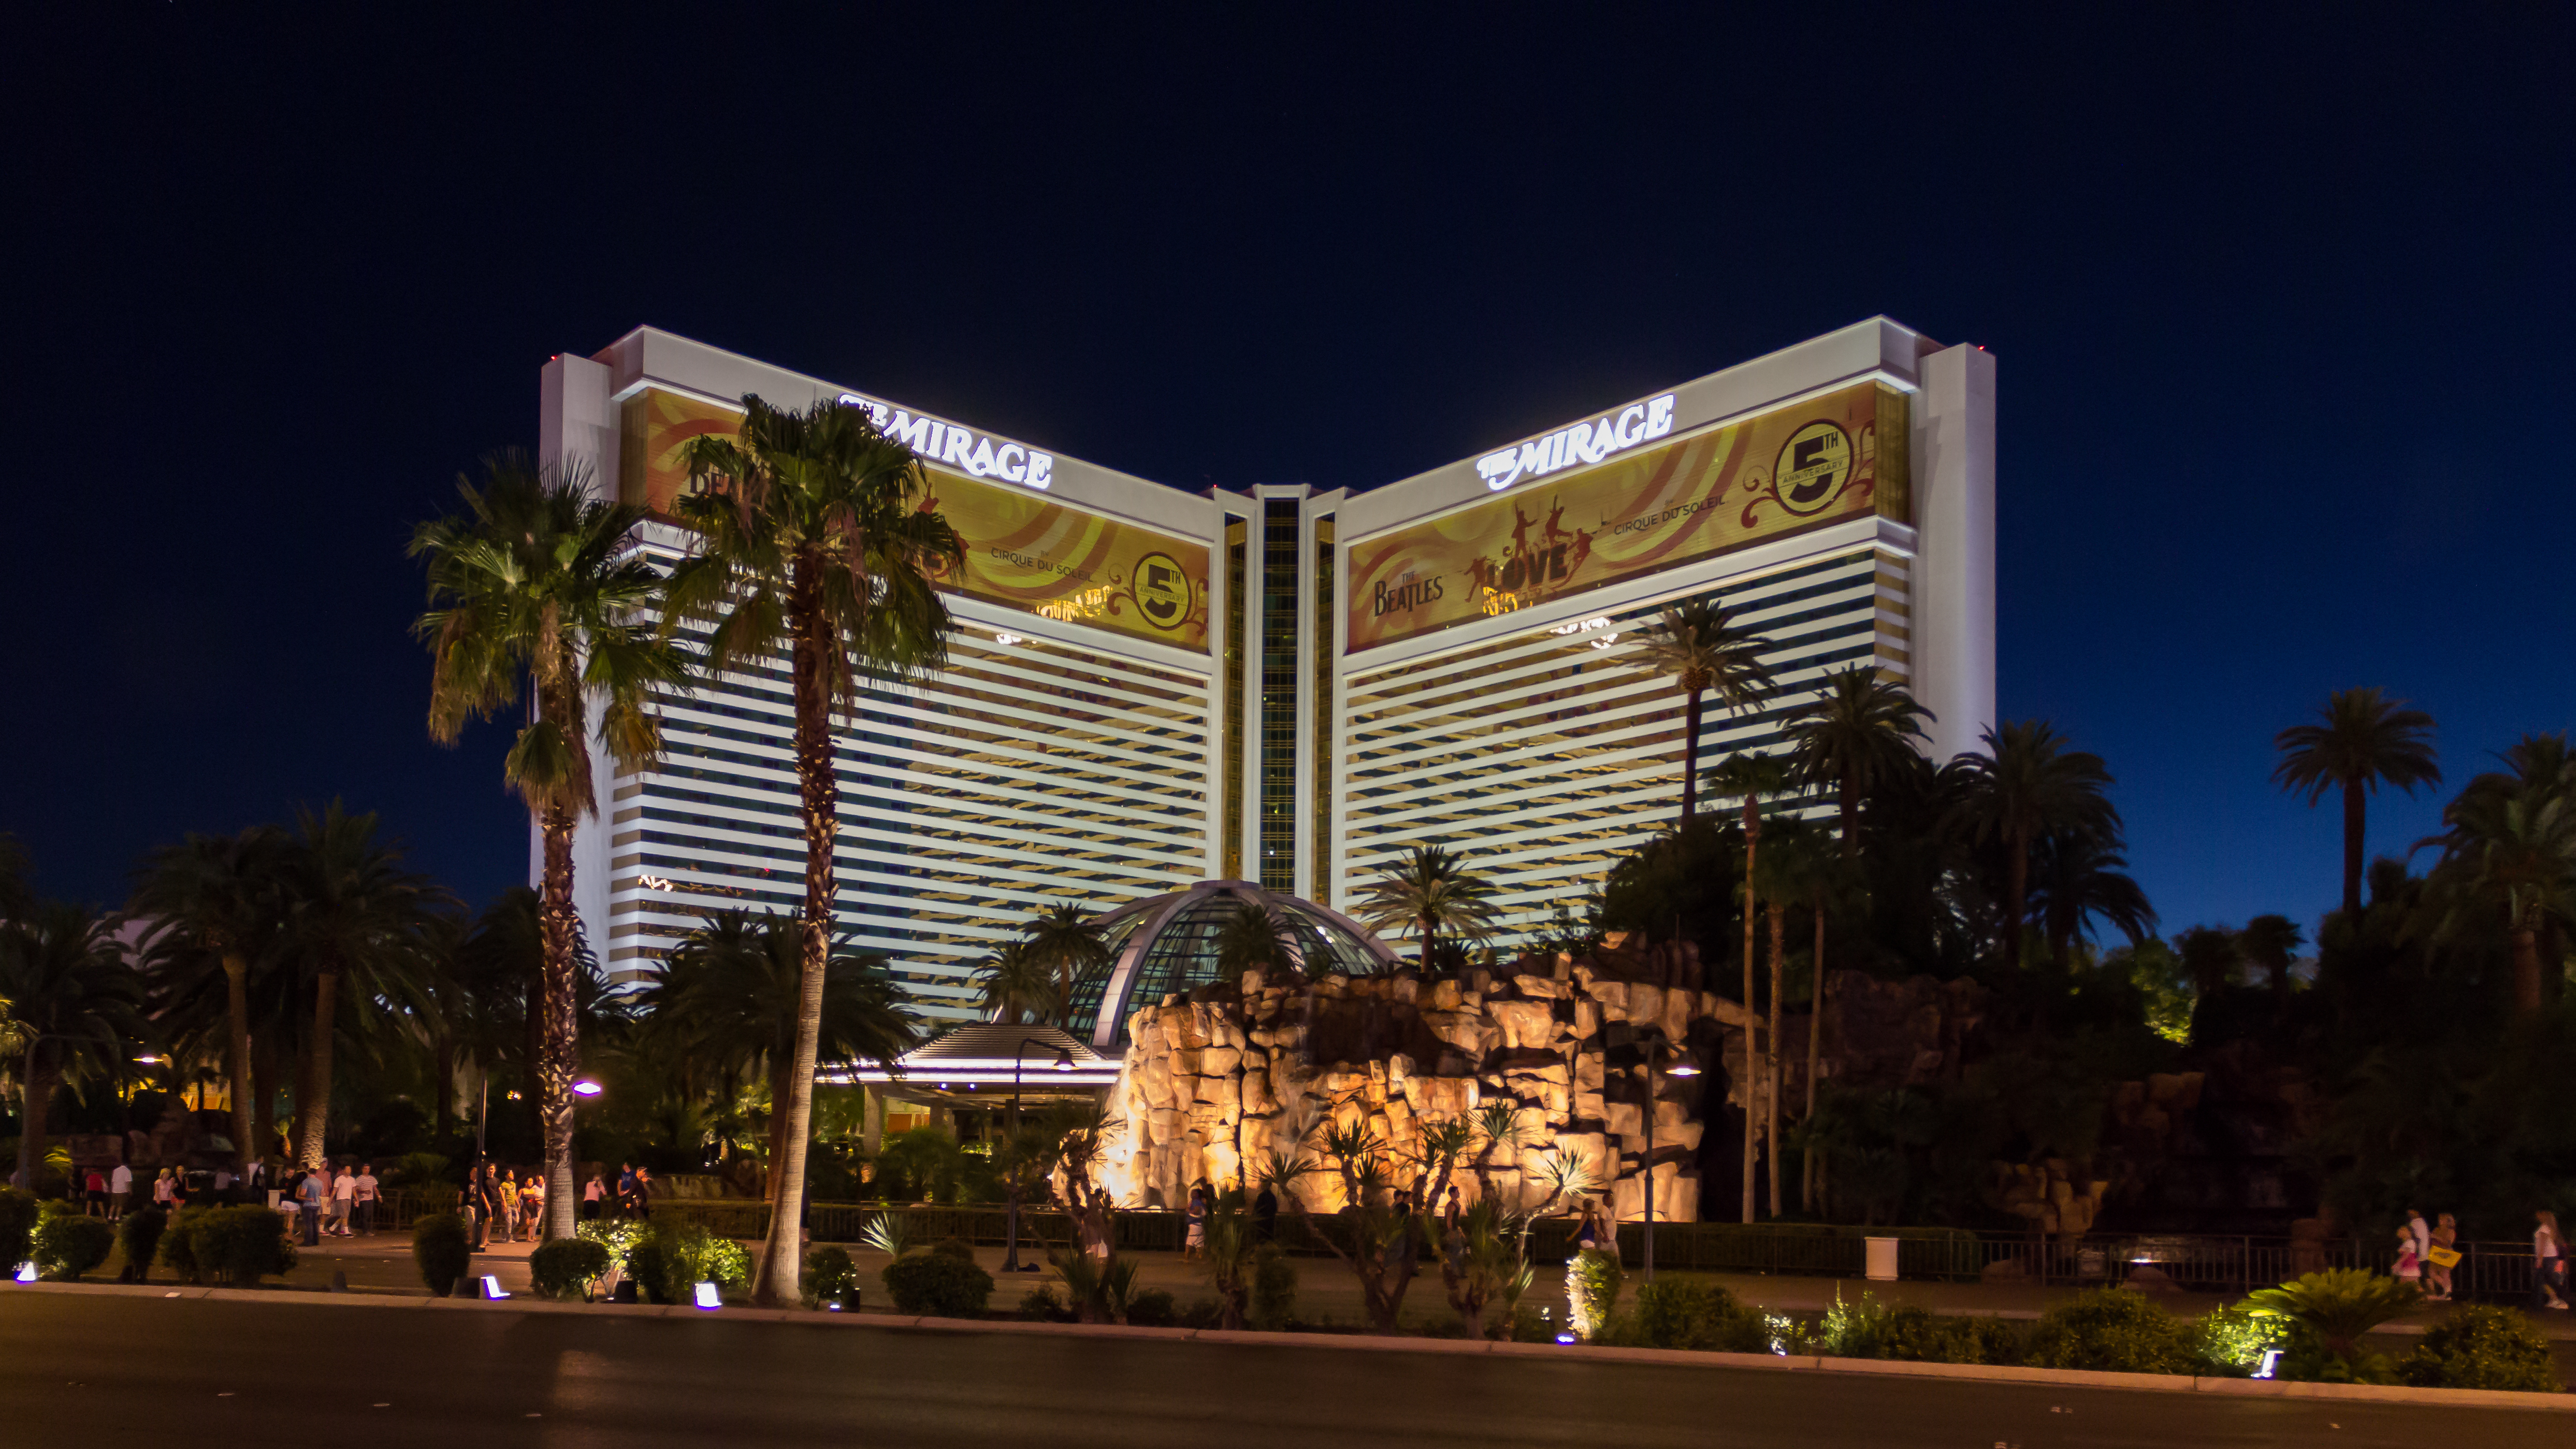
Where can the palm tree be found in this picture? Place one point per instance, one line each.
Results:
(351, 911)
(1702, 646)
(1856, 735)
(1254, 938)
(811, 536)
(1751, 779)
(1793, 869)
(218, 896)
(2269, 942)
(735, 988)
(536, 583)
(74, 1005)
(2366, 739)
(2028, 785)
(2509, 860)
(2211, 957)
(1018, 987)
(2077, 880)
(1430, 891)
(1065, 941)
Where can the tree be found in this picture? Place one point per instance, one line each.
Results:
(1794, 869)
(1430, 891)
(1859, 733)
(1702, 646)
(351, 910)
(2270, 942)
(735, 989)
(74, 1009)
(812, 535)
(1065, 941)
(1254, 938)
(1017, 986)
(220, 898)
(2077, 879)
(2509, 862)
(2366, 739)
(1751, 779)
(2211, 959)
(536, 584)
(2025, 786)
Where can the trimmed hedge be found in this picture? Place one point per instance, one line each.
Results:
(565, 1268)
(2482, 1347)
(443, 1250)
(938, 1286)
(70, 1244)
(140, 1235)
(18, 1209)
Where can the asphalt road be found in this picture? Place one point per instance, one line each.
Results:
(107, 1369)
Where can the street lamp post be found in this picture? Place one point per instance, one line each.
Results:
(1011, 1228)
(1682, 1067)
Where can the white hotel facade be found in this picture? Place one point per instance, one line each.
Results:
(1338, 677)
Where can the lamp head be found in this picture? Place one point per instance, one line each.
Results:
(587, 1088)
(1064, 1059)
(1682, 1069)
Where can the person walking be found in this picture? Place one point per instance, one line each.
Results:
(2441, 1257)
(532, 1204)
(590, 1196)
(2548, 1263)
(2409, 1268)
(94, 1194)
(309, 1195)
(368, 1188)
(120, 1190)
(344, 1202)
(1265, 1214)
(477, 1204)
(1196, 1240)
(161, 1190)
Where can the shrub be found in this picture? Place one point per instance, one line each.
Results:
(1150, 1308)
(417, 1169)
(618, 1236)
(648, 1267)
(68, 1244)
(2234, 1341)
(1917, 1336)
(239, 1245)
(672, 1258)
(1043, 1304)
(140, 1235)
(565, 1268)
(1865, 1329)
(1274, 1288)
(2338, 1305)
(958, 1248)
(179, 1244)
(1592, 1283)
(2115, 1331)
(829, 1276)
(1683, 1313)
(2480, 1346)
(442, 1250)
(17, 1226)
(1530, 1325)
(1199, 1312)
(938, 1286)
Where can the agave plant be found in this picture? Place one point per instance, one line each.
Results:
(2338, 1305)
(889, 1233)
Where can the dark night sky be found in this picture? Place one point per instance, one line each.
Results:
(2281, 310)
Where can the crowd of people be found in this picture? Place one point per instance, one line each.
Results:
(2428, 1252)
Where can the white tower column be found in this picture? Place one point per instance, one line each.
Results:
(1954, 573)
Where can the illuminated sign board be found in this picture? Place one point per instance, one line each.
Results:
(1584, 443)
(977, 455)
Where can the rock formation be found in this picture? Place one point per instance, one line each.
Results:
(1215, 1082)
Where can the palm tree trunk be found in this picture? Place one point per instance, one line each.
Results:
(1779, 964)
(442, 1054)
(1851, 817)
(314, 1113)
(782, 1255)
(237, 1013)
(1815, 1062)
(35, 1103)
(2526, 970)
(778, 1090)
(552, 1011)
(1691, 707)
(2352, 834)
(2016, 896)
(263, 1077)
(1752, 1035)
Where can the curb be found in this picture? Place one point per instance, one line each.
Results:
(1581, 1353)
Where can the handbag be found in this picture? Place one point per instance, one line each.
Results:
(2442, 1257)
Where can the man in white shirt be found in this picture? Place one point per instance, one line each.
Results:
(120, 1186)
(344, 1195)
(367, 1198)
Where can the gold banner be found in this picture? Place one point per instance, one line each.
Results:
(1800, 467)
(1023, 548)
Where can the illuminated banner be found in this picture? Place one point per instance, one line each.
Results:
(1023, 549)
(1800, 467)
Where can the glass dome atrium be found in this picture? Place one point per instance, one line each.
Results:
(1168, 943)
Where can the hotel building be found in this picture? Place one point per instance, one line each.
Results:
(1149, 687)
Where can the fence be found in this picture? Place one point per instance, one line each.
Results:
(2202, 1263)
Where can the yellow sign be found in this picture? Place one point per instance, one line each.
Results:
(1023, 548)
(1806, 466)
